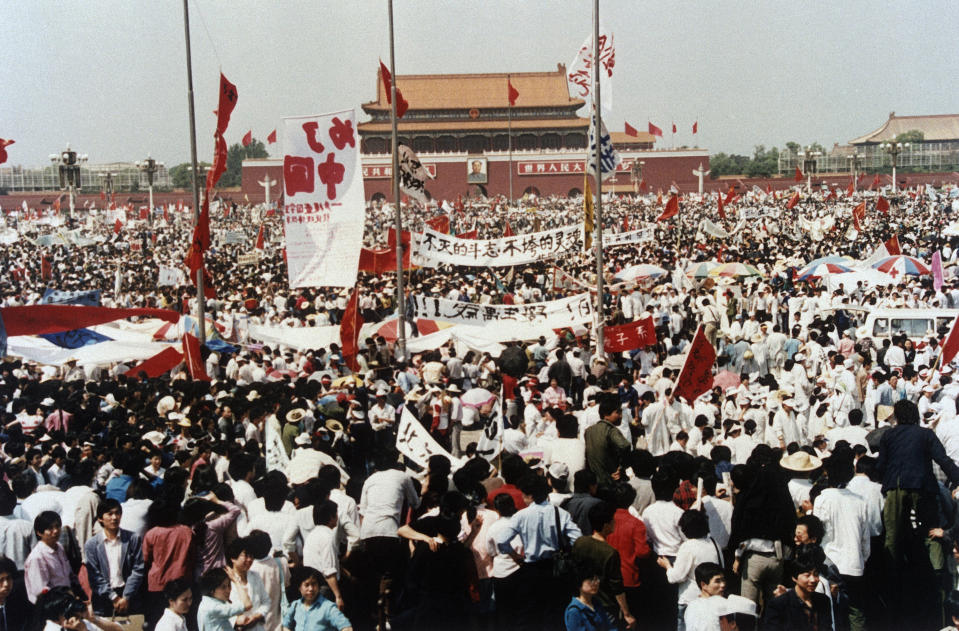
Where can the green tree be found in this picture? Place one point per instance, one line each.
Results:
(234, 161)
(793, 147)
(913, 135)
(727, 164)
(764, 163)
(180, 175)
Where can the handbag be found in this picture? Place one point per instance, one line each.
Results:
(563, 567)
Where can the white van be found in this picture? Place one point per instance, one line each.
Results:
(916, 324)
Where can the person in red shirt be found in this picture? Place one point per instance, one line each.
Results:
(513, 469)
(629, 540)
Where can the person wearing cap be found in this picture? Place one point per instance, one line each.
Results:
(785, 426)
(382, 417)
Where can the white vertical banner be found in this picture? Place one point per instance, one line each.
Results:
(324, 201)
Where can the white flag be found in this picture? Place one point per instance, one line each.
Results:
(413, 175)
(579, 76)
(609, 158)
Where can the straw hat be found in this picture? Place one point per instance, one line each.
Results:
(800, 461)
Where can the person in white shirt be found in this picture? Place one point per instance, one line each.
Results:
(246, 586)
(179, 595)
(662, 516)
(702, 613)
(320, 550)
(698, 548)
(274, 572)
(505, 565)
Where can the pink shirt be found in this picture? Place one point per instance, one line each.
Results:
(46, 567)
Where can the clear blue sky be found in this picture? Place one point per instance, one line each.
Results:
(109, 75)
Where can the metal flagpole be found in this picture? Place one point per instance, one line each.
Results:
(509, 135)
(200, 297)
(398, 216)
(598, 203)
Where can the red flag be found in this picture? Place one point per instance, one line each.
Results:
(799, 176)
(722, 209)
(655, 131)
(730, 195)
(469, 234)
(144, 213)
(950, 346)
(117, 227)
(696, 376)
(3, 149)
(272, 137)
(695, 127)
(46, 271)
(793, 201)
(625, 224)
(851, 188)
(643, 186)
(508, 231)
(875, 182)
(892, 246)
(103, 196)
(56, 205)
(440, 223)
(630, 336)
(671, 210)
(401, 104)
(228, 96)
(882, 205)
(511, 92)
(248, 138)
(719, 252)
(157, 365)
(194, 360)
(259, 239)
(350, 331)
(674, 128)
(630, 130)
(858, 214)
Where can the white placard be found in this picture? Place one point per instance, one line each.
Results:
(555, 313)
(432, 248)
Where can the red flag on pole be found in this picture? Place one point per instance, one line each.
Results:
(46, 269)
(793, 201)
(508, 231)
(722, 209)
(858, 214)
(350, 331)
(511, 92)
(875, 182)
(272, 137)
(695, 127)
(227, 102)
(892, 246)
(3, 149)
(630, 336)
(157, 365)
(696, 377)
(56, 205)
(950, 346)
(851, 188)
(674, 128)
(882, 205)
(799, 176)
(630, 130)
(671, 210)
(259, 239)
(117, 227)
(440, 223)
(194, 360)
(248, 138)
(730, 195)
(401, 104)
(656, 131)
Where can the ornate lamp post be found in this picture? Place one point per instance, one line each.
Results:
(69, 162)
(636, 174)
(855, 163)
(809, 165)
(149, 166)
(894, 149)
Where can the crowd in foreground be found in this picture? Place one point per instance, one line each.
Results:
(808, 489)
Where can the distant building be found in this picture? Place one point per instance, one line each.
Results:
(461, 126)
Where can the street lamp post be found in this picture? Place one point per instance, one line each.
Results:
(894, 149)
(108, 184)
(149, 166)
(855, 162)
(636, 173)
(68, 162)
(809, 165)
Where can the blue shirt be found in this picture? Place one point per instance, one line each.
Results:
(536, 527)
(116, 488)
(214, 614)
(579, 617)
(322, 615)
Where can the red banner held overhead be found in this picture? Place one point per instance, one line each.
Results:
(630, 336)
(350, 331)
(194, 360)
(696, 377)
(159, 364)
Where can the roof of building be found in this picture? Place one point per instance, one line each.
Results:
(621, 138)
(467, 91)
(937, 127)
(475, 125)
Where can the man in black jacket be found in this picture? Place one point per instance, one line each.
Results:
(906, 454)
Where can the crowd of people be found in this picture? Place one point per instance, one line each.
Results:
(810, 488)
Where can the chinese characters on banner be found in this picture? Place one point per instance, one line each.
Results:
(560, 313)
(627, 337)
(625, 238)
(414, 441)
(324, 211)
(580, 73)
(609, 158)
(433, 248)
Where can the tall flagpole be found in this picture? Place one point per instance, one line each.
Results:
(398, 216)
(509, 135)
(200, 297)
(598, 203)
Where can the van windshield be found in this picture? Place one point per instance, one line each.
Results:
(912, 327)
